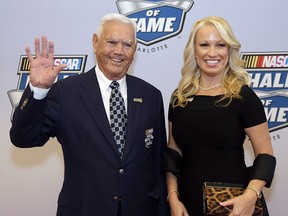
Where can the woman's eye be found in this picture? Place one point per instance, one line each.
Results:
(203, 45)
(222, 45)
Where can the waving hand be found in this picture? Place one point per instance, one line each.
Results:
(43, 72)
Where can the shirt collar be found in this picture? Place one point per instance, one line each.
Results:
(104, 83)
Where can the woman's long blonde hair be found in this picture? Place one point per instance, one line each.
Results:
(235, 76)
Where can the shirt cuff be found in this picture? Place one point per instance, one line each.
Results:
(39, 93)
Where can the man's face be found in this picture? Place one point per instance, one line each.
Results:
(115, 49)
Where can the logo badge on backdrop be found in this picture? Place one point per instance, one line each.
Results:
(269, 73)
(75, 65)
(156, 20)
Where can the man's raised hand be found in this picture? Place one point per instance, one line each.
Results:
(43, 72)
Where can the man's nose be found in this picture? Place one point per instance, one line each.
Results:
(119, 48)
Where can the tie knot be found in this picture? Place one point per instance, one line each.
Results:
(114, 85)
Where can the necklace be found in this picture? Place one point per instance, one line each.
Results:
(206, 89)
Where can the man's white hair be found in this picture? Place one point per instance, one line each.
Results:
(116, 17)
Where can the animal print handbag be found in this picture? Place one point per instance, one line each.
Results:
(216, 192)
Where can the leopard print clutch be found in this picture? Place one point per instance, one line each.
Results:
(216, 192)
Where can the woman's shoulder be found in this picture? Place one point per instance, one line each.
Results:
(249, 96)
(247, 91)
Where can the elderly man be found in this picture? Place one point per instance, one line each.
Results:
(112, 154)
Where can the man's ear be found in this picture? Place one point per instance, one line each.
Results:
(94, 41)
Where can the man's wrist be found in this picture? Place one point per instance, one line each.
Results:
(38, 93)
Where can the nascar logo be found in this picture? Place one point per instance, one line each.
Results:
(269, 74)
(75, 65)
(156, 20)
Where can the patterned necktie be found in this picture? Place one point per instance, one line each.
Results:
(118, 117)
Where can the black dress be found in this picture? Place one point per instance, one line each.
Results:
(211, 138)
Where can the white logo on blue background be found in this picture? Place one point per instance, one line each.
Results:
(269, 74)
(156, 20)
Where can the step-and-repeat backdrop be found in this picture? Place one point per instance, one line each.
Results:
(30, 179)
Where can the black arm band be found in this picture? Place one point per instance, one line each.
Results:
(171, 161)
(264, 168)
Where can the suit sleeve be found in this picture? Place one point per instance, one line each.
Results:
(31, 125)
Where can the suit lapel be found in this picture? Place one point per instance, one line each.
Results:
(134, 102)
(91, 96)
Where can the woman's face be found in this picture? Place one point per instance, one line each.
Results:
(211, 51)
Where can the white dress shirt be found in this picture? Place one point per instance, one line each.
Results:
(104, 84)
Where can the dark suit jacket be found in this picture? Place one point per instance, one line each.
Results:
(96, 180)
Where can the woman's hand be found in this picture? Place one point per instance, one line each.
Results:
(177, 208)
(243, 205)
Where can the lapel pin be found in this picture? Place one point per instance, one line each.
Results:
(137, 100)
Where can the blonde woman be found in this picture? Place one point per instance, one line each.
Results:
(210, 114)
